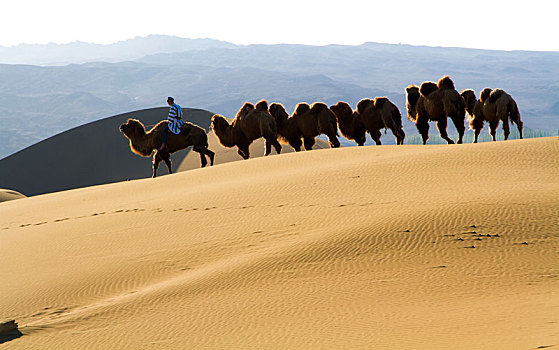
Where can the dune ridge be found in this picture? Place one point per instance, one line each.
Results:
(374, 247)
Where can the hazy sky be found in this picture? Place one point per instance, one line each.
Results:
(503, 25)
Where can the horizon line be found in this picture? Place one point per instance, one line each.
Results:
(52, 43)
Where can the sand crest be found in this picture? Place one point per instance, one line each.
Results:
(8, 195)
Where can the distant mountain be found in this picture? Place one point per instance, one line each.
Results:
(80, 52)
(37, 102)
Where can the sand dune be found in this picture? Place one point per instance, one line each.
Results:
(392, 247)
(91, 154)
(8, 195)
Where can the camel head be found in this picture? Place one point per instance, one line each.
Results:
(342, 111)
(484, 94)
(469, 97)
(412, 90)
(219, 122)
(278, 112)
(132, 128)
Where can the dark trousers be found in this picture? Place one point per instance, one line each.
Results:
(164, 136)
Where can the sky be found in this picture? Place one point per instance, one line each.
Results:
(486, 24)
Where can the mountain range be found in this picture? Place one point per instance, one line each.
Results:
(54, 88)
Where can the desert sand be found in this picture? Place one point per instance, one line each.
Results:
(378, 247)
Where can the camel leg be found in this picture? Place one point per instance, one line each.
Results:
(476, 134)
(360, 138)
(441, 125)
(277, 146)
(422, 125)
(334, 142)
(296, 144)
(167, 159)
(156, 160)
(202, 153)
(375, 135)
(459, 124)
(477, 125)
(400, 136)
(493, 129)
(243, 151)
(506, 128)
(519, 125)
(210, 154)
(268, 146)
(309, 142)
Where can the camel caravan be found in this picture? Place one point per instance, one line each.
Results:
(429, 102)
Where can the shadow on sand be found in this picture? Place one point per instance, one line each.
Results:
(8, 336)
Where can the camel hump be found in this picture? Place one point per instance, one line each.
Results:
(302, 108)
(445, 83)
(262, 105)
(275, 107)
(318, 107)
(427, 87)
(484, 94)
(380, 101)
(247, 107)
(467, 92)
(495, 94)
(342, 104)
(364, 105)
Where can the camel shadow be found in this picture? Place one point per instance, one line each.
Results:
(9, 336)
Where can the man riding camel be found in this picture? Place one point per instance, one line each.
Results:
(174, 123)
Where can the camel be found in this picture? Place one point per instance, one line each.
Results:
(307, 122)
(378, 114)
(349, 123)
(436, 102)
(250, 123)
(493, 106)
(144, 143)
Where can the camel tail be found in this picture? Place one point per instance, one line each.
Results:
(514, 113)
(397, 117)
